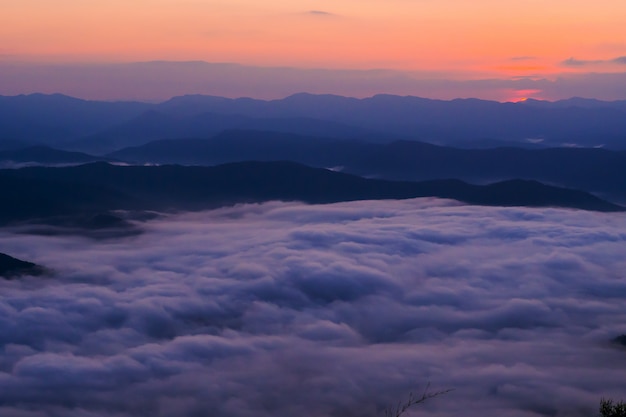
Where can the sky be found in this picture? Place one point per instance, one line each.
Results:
(456, 41)
(338, 310)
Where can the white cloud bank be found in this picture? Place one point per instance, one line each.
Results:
(336, 310)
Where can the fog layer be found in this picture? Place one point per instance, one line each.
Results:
(284, 309)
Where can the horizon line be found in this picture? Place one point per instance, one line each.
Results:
(305, 93)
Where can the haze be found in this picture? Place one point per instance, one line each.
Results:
(502, 50)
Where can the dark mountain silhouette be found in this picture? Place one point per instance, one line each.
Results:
(486, 143)
(54, 119)
(12, 267)
(41, 197)
(593, 170)
(12, 144)
(620, 340)
(141, 129)
(45, 155)
(154, 125)
(86, 125)
(245, 145)
(95, 188)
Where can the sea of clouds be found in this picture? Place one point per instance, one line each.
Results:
(285, 309)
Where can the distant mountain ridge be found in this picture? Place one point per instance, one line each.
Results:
(155, 124)
(100, 187)
(436, 120)
(62, 121)
(597, 171)
(57, 118)
(593, 170)
(44, 155)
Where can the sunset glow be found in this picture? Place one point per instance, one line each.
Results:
(478, 39)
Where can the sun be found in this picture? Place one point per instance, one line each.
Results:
(520, 96)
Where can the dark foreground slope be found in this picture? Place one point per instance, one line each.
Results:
(42, 192)
(12, 267)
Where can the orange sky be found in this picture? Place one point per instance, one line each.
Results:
(449, 38)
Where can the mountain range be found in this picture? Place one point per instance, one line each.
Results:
(43, 192)
(101, 127)
(73, 162)
(593, 170)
